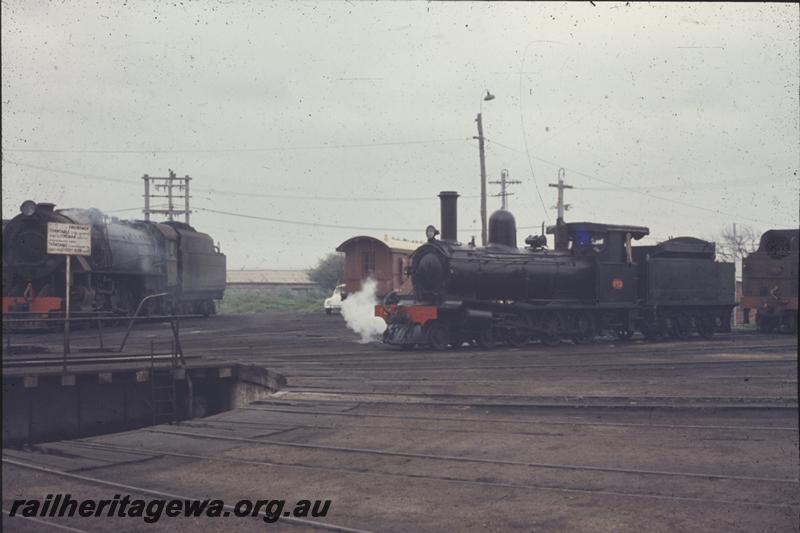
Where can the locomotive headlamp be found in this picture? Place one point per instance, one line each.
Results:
(28, 208)
(431, 232)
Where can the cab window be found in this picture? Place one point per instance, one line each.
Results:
(598, 243)
(583, 241)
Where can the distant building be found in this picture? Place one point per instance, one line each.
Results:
(384, 260)
(269, 281)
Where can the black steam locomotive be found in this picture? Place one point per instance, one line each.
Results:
(593, 281)
(769, 281)
(130, 260)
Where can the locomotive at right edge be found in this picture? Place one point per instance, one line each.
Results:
(769, 281)
(593, 281)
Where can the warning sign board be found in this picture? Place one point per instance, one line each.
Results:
(69, 239)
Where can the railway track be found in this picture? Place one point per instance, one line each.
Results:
(509, 400)
(153, 452)
(678, 435)
(464, 459)
(527, 421)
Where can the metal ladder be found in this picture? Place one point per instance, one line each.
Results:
(162, 389)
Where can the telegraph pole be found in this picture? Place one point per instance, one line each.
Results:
(175, 188)
(560, 231)
(482, 155)
(504, 183)
(560, 186)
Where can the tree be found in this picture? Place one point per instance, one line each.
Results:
(736, 242)
(329, 271)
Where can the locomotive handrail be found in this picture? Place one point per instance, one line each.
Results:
(136, 315)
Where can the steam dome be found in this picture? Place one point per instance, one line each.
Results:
(503, 229)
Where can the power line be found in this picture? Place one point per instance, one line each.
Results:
(328, 198)
(695, 186)
(241, 193)
(633, 190)
(524, 136)
(132, 209)
(230, 150)
(69, 172)
(303, 223)
(321, 225)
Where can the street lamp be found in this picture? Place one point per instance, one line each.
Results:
(488, 97)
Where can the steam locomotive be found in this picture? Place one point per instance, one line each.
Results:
(769, 281)
(129, 260)
(593, 281)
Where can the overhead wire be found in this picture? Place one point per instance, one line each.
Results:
(525, 136)
(68, 172)
(232, 149)
(240, 193)
(301, 222)
(621, 187)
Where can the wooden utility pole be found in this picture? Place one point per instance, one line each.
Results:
(483, 179)
(504, 182)
(169, 185)
(561, 186)
(560, 230)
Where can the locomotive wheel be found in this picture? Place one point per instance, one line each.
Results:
(651, 332)
(438, 335)
(680, 327)
(456, 340)
(517, 339)
(585, 327)
(684, 324)
(485, 339)
(790, 322)
(550, 340)
(551, 337)
(705, 326)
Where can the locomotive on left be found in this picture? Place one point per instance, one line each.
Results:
(130, 260)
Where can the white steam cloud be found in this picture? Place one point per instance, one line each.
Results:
(358, 310)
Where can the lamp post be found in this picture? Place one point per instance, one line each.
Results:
(489, 96)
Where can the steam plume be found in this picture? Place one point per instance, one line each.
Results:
(358, 311)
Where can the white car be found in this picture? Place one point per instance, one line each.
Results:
(335, 301)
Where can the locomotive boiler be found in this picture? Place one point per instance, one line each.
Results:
(769, 281)
(594, 280)
(130, 260)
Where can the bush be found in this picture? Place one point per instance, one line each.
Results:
(329, 272)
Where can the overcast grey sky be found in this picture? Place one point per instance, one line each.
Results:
(680, 117)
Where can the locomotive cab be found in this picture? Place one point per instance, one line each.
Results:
(608, 248)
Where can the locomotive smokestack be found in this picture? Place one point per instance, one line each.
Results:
(449, 207)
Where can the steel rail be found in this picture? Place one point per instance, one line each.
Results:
(519, 421)
(45, 522)
(361, 472)
(522, 366)
(639, 400)
(453, 458)
(532, 350)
